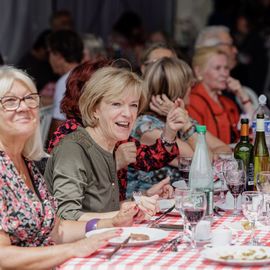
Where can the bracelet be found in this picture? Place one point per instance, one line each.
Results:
(91, 224)
(167, 142)
(246, 101)
(184, 136)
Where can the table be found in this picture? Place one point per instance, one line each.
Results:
(147, 257)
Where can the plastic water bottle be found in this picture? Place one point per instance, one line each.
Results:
(262, 109)
(201, 175)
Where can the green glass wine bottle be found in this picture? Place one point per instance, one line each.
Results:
(244, 150)
(261, 153)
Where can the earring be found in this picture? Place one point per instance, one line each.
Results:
(199, 78)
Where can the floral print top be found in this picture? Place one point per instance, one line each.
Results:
(27, 218)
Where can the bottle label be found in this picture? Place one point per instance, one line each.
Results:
(250, 177)
(266, 127)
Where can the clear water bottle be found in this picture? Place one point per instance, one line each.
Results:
(262, 109)
(201, 175)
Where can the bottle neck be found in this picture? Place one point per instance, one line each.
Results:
(244, 132)
(260, 125)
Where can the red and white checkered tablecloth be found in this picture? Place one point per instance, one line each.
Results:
(147, 257)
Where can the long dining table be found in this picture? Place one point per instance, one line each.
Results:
(147, 257)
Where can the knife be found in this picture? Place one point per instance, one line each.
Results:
(118, 247)
(154, 222)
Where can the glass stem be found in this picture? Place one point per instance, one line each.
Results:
(235, 205)
(252, 236)
(193, 241)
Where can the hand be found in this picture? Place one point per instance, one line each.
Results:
(87, 246)
(235, 87)
(148, 206)
(125, 154)
(163, 189)
(161, 104)
(126, 215)
(177, 119)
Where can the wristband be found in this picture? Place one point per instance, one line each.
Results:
(91, 224)
(167, 142)
(187, 134)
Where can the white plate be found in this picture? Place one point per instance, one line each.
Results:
(215, 254)
(240, 226)
(154, 235)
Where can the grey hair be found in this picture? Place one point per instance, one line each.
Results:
(209, 36)
(33, 148)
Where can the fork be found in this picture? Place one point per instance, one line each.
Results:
(173, 242)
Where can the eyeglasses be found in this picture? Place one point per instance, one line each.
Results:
(12, 103)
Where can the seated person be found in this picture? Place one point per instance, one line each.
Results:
(140, 156)
(170, 79)
(85, 182)
(31, 235)
(207, 104)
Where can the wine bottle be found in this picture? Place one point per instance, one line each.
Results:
(244, 150)
(200, 175)
(261, 153)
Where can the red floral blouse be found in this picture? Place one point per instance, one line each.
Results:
(27, 218)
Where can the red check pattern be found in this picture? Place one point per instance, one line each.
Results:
(147, 257)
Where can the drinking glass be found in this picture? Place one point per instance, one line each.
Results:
(194, 208)
(235, 177)
(184, 164)
(263, 185)
(252, 203)
(179, 193)
(218, 173)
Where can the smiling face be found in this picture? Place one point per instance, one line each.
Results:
(21, 122)
(116, 117)
(215, 72)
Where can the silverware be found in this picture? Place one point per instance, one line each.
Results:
(173, 242)
(118, 247)
(154, 222)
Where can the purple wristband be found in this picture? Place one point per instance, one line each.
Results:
(91, 224)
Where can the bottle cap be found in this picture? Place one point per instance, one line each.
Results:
(201, 129)
(244, 121)
(262, 99)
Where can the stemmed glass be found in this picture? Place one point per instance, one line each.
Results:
(219, 160)
(194, 207)
(263, 185)
(184, 164)
(179, 194)
(235, 176)
(252, 203)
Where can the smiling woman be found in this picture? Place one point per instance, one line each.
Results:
(85, 182)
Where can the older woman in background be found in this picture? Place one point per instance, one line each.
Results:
(27, 217)
(168, 81)
(85, 183)
(207, 104)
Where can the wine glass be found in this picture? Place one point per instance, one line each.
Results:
(179, 193)
(219, 159)
(184, 164)
(235, 177)
(252, 203)
(194, 208)
(263, 185)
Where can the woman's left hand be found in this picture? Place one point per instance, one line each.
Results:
(148, 207)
